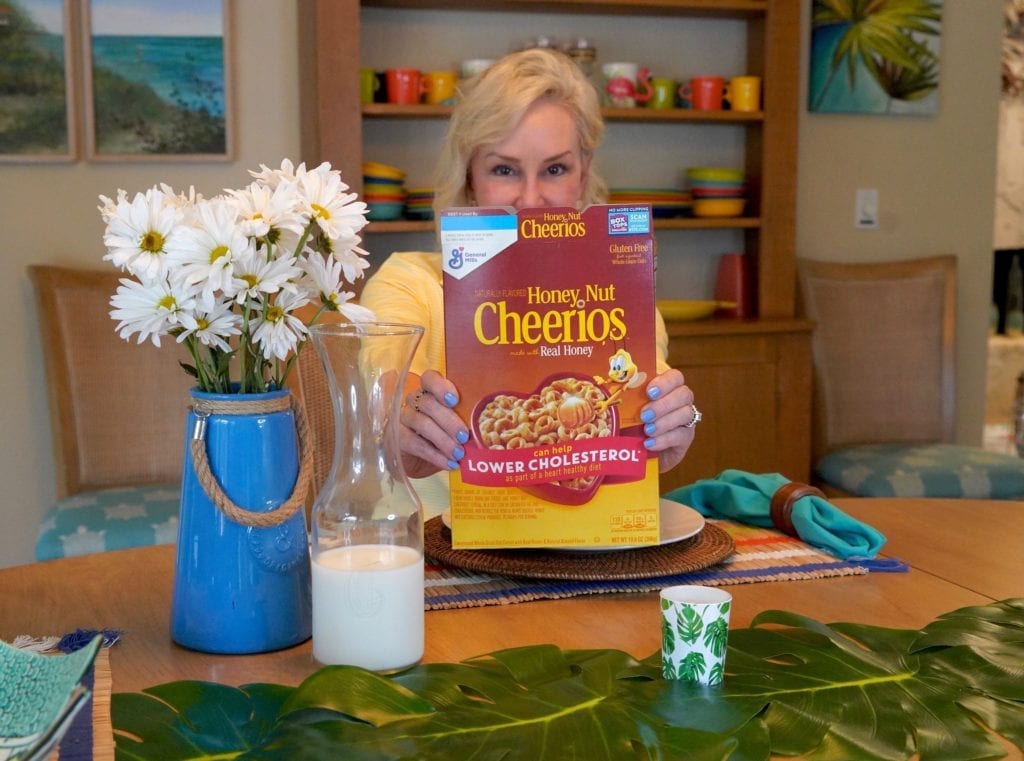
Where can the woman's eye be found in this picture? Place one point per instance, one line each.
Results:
(503, 170)
(557, 169)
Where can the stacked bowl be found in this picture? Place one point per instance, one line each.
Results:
(717, 191)
(383, 191)
(419, 203)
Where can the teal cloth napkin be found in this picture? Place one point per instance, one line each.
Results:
(746, 497)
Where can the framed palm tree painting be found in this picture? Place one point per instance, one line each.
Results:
(875, 56)
(157, 80)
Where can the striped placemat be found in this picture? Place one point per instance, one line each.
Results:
(91, 736)
(761, 555)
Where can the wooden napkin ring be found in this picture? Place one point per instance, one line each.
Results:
(782, 504)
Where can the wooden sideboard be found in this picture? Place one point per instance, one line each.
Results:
(753, 383)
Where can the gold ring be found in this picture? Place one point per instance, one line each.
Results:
(417, 398)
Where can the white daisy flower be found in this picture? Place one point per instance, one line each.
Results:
(205, 254)
(277, 331)
(150, 309)
(139, 232)
(353, 260)
(324, 272)
(288, 238)
(274, 177)
(256, 275)
(185, 201)
(265, 212)
(108, 206)
(336, 212)
(213, 328)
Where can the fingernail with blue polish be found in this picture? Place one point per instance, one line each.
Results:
(459, 453)
(462, 437)
(647, 416)
(653, 392)
(450, 399)
(648, 443)
(452, 465)
(649, 429)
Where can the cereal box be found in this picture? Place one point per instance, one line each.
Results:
(550, 339)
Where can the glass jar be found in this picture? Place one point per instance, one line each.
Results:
(367, 541)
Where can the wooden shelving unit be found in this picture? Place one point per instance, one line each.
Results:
(746, 373)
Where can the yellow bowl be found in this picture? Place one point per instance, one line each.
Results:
(718, 207)
(686, 309)
(376, 169)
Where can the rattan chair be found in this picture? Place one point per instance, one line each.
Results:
(884, 395)
(117, 417)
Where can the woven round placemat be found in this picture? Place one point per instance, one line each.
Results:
(710, 546)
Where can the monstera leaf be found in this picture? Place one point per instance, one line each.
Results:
(793, 686)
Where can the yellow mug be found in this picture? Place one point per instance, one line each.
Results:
(439, 87)
(744, 93)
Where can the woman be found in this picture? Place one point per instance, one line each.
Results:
(522, 135)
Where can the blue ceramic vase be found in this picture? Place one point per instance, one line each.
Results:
(240, 588)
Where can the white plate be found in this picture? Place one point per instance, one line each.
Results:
(678, 522)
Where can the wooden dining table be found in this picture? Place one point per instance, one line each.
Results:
(959, 552)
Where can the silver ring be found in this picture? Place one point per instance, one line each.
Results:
(695, 419)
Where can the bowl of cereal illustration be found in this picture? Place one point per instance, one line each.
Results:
(562, 409)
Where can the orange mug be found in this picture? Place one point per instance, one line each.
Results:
(439, 87)
(405, 86)
(744, 93)
(704, 93)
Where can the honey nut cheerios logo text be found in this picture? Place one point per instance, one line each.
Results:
(553, 226)
(570, 319)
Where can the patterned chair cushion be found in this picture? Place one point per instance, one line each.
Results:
(111, 519)
(923, 470)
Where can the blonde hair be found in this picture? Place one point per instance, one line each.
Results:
(492, 104)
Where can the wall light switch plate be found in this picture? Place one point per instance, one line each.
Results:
(865, 214)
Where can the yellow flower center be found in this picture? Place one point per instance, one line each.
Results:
(251, 280)
(167, 302)
(321, 211)
(152, 241)
(203, 323)
(217, 253)
(275, 314)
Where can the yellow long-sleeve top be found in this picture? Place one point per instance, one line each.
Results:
(407, 288)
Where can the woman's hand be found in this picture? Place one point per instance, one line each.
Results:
(432, 434)
(669, 418)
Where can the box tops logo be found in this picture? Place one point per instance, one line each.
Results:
(629, 220)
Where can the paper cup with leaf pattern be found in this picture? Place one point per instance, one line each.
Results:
(694, 633)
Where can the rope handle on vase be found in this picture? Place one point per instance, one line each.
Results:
(204, 408)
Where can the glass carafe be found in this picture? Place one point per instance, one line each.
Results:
(367, 542)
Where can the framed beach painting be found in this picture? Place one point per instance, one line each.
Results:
(158, 80)
(37, 87)
(877, 58)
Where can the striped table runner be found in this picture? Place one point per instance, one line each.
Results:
(761, 555)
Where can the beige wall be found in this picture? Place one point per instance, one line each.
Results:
(936, 183)
(935, 176)
(48, 214)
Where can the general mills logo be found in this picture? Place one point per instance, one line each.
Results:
(456, 260)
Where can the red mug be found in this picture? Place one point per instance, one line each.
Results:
(704, 93)
(404, 86)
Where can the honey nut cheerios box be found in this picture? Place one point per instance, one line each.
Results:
(550, 340)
